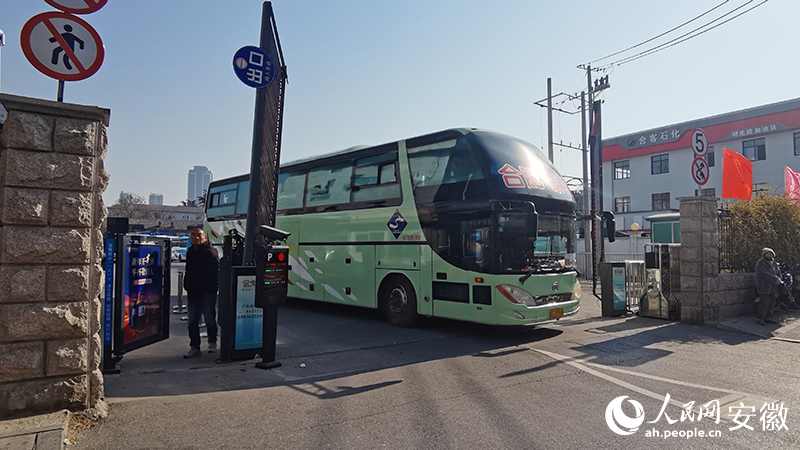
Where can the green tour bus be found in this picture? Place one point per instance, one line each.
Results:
(464, 224)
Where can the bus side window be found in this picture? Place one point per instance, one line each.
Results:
(388, 174)
(444, 163)
(290, 190)
(241, 197)
(375, 179)
(329, 185)
(222, 200)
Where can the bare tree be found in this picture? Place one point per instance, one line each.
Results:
(161, 214)
(189, 203)
(131, 206)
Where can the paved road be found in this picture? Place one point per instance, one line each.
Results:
(349, 380)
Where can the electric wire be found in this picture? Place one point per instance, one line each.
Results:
(660, 35)
(683, 38)
(632, 58)
(666, 45)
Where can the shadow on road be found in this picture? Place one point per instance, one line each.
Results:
(316, 342)
(636, 349)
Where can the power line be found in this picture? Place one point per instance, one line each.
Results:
(666, 45)
(660, 35)
(680, 39)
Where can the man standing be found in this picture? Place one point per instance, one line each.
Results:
(201, 283)
(768, 282)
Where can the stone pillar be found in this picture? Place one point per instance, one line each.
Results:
(51, 213)
(699, 259)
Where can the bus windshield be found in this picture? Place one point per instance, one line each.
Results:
(492, 203)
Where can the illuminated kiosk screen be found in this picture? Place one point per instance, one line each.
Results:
(144, 301)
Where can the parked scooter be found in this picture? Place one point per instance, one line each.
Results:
(786, 300)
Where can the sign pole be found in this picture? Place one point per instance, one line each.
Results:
(60, 97)
(699, 168)
(267, 127)
(258, 67)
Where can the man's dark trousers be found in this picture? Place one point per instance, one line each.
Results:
(204, 306)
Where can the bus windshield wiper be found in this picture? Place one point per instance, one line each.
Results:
(524, 278)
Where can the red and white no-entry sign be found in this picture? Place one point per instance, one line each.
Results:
(700, 170)
(62, 46)
(77, 6)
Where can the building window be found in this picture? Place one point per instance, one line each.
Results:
(709, 192)
(755, 149)
(622, 169)
(661, 201)
(710, 156)
(760, 188)
(796, 144)
(659, 164)
(622, 204)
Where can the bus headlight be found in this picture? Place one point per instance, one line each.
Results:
(516, 294)
(576, 291)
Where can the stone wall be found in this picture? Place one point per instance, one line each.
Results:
(51, 211)
(706, 295)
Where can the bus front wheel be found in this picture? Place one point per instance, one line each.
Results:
(398, 301)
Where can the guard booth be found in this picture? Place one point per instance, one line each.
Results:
(136, 310)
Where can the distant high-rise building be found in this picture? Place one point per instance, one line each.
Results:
(126, 196)
(156, 199)
(199, 179)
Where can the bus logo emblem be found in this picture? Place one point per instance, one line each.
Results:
(555, 286)
(397, 224)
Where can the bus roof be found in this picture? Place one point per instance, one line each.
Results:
(303, 161)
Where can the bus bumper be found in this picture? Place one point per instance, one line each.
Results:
(521, 314)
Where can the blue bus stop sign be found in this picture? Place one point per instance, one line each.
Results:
(253, 66)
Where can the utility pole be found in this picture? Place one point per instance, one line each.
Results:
(596, 149)
(550, 119)
(587, 241)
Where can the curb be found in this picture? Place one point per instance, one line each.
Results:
(732, 326)
(43, 432)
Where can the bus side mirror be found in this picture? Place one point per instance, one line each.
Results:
(611, 225)
(533, 224)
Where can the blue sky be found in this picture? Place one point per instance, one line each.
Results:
(369, 72)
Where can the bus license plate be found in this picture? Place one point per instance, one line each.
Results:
(555, 313)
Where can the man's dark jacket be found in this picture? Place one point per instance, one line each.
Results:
(202, 271)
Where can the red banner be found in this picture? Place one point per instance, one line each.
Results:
(737, 176)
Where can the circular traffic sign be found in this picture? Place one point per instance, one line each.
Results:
(700, 170)
(62, 46)
(253, 66)
(77, 6)
(699, 142)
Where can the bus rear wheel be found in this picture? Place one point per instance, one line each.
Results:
(398, 301)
